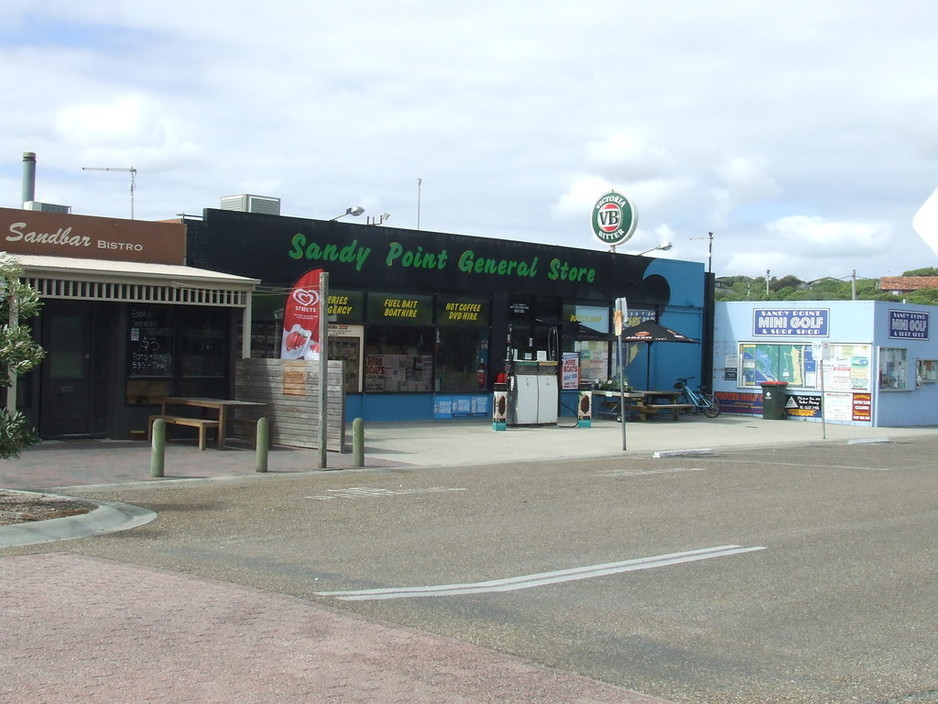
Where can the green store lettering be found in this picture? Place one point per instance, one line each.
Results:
(564, 272)
(419, 258)
(416, 258)
(471, 264)
(351, 253)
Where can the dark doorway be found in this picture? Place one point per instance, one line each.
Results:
(66, 388)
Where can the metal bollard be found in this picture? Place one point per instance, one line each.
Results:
(261, 444)
(358, 443)
(158, 448)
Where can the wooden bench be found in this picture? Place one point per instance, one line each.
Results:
(203, 424)
(649, 409)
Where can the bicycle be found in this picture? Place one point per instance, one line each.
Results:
(700, 400)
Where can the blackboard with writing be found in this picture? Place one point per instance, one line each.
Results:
(150, 347)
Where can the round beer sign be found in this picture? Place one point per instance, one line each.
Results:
(614, 218)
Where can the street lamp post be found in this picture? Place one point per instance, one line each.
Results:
(354, 211)
(664, 246)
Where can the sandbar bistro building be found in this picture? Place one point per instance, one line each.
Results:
(124, 322)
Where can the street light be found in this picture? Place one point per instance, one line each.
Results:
(664, 246)
(354, 211)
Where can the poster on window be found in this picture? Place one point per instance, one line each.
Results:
(301, 319)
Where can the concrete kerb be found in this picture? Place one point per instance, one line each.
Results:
(107, 517)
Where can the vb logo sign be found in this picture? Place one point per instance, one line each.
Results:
(614, 218)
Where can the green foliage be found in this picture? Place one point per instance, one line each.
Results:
(19, 352)
(927, 271)
(791, 288)
(15, 434)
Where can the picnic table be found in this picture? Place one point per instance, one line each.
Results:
(178, 410)
(641, 402)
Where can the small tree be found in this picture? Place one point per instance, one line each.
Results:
(19, 352)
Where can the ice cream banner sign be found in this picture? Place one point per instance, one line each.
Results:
(301, 318)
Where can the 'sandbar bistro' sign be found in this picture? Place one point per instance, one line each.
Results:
(88, 237)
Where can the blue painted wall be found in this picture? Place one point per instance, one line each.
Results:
(850, 323)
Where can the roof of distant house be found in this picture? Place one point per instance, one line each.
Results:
(907, 283)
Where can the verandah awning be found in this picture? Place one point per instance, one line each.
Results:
(132, 282)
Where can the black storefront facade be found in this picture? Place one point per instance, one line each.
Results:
(426, 321)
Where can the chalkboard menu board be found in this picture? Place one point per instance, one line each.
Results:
(150, 347)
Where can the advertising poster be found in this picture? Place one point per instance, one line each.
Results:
(301, 319)
(737, 402)
(570, 371)
(804, 406)
(838, 406)
(863, 407)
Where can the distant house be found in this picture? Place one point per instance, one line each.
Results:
(899, 285)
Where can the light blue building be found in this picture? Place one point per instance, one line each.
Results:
(879, 360)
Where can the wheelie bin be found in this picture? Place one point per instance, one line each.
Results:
(774, 399)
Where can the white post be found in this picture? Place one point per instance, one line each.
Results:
(246, 322)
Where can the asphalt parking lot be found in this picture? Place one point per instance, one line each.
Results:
(801, 573)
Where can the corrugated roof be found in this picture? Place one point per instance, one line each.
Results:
(109, 270)
(907, 283)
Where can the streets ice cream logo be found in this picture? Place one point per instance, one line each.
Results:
(308, 298)
(614, 218)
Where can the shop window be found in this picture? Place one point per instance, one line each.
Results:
(893, 370)
(462, 359)
(594, 360)
(202, 343)
(846, 366)
(176, 351)
(462, 344)
(398, 358)
(586, 332)
(926, 371)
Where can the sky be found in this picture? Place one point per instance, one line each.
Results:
(802, 135)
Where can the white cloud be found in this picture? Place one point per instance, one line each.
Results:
(801, 136)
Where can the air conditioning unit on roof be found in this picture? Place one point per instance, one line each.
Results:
(46, 207)
(247, 203)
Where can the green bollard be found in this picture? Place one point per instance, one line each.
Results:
(262, 444)
(358, 443)
(158, 448)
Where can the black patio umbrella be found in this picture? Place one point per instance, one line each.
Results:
(649, 331)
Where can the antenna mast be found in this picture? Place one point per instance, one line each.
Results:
(133, 178)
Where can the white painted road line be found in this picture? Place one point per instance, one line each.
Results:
(681, 453)
(544, 578)
(367, 492)
(643, 472)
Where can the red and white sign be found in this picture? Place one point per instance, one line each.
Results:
(610, 217)
(301, 319)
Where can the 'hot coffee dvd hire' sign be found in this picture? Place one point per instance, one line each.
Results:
(614, 218)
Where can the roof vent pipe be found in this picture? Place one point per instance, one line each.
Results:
(29, 177)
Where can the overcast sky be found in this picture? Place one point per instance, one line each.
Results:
(803, 135)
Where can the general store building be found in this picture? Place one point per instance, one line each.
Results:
(426, 321)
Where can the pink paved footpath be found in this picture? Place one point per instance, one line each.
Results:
(79, 629)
